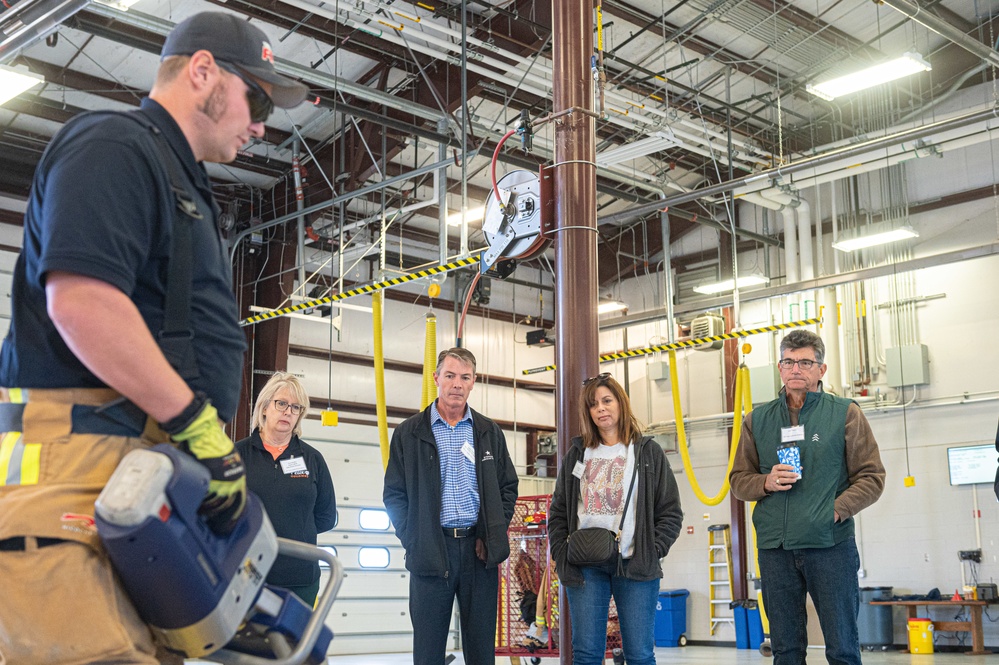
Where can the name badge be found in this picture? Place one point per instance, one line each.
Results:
(792, 434)
(578, 470)
(293, 465)
(468, 451)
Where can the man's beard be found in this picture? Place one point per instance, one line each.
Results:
(215, 105)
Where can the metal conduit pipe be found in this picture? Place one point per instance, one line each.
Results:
(526, 79)
(797, 167)
(161, 27)
(534, 84)
(896, 156)
(944, 29)
(784, 202)
(238, 238)
(33, 24)
(804, 214)
(545, 74)
(296, 169)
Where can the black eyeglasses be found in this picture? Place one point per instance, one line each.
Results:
(599, 378)
(261, 104)
(283, 406)
(805, 364)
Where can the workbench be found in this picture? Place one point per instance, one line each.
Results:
(974, 626)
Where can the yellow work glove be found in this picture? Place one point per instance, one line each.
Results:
(197, 432)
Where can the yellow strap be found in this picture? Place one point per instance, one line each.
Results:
(30, 463)
(7, 446)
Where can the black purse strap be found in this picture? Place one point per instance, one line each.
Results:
(627, 501)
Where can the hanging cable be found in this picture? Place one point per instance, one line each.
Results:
(741, 403)
(429, 361)
(380, 409)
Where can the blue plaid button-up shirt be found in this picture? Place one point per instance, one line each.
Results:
(459, 490)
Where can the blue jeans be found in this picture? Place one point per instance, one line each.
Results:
(636, 609)
(829, 576)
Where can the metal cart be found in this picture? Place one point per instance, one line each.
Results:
(528, 588)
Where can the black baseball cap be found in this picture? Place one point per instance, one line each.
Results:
(233, 40)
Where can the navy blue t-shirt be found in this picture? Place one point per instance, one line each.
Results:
(101, 206)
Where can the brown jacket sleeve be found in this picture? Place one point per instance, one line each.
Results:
(863, 466)
(745, 478)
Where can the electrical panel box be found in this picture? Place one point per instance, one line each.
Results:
(658, 370)
(765, 383)
(908, 365)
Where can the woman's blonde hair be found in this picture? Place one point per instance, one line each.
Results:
(629, 429)
(278, 381)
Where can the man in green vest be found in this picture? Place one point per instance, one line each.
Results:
(810, 461)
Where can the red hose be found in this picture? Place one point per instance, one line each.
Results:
(468, 300)
(499, 146)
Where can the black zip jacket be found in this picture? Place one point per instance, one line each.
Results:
(412, 493)
(658, 516)
(300, 505)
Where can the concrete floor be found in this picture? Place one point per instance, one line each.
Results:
(691, 655)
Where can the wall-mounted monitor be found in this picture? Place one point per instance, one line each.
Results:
(969, 465)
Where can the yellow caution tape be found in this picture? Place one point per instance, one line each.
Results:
(362, 290)
(686, 344)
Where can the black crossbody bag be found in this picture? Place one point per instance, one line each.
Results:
(596, 546)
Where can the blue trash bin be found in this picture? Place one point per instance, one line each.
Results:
(671, 618)
(748, 624)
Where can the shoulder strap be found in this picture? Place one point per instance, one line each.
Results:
(627, 501)
(175, 337)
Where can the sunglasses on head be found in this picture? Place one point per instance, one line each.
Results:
(600, 378)
(260, 102)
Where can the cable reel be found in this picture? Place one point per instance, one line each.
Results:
(513, 229)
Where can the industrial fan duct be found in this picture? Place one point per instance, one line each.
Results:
(513, 230)
(707, 325)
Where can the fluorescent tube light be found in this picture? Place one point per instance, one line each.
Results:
(910, 63)
(15, 81)
(472, 214)
(651, 144)
(875, 239)
(729, 285)
(608, 306)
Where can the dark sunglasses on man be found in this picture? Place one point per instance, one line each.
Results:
(260, 102)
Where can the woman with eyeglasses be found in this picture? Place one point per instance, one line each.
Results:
(290, 477)
(594, 490)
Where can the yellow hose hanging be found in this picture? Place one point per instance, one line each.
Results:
(380, 410)
(742, 399)
(756, 567)
(429, 362)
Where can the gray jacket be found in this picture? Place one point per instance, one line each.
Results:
(658, 516)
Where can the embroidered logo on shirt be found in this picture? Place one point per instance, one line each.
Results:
(487, 456)
(303, 474)
(815, 437)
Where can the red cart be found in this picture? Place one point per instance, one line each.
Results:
(527, 616)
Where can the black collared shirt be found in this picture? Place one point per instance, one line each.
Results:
(101, 206)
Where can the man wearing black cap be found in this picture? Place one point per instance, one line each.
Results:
(124, 333)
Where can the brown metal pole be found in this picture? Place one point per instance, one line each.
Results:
(575, 194)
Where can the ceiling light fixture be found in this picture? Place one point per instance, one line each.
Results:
(729, 285)
(14, 81)
(651, 144)
(910, 63)
(472, 215)
(123, 5)
(608, 306)
(875, 238)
